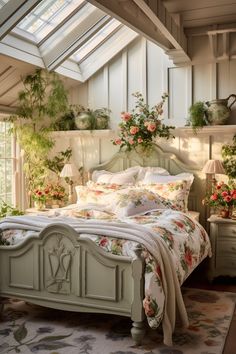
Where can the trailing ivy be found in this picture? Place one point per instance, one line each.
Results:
(228, 153)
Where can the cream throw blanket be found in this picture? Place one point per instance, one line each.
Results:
(138, 233)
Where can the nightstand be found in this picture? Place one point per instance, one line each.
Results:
(223, 242)
(33, 211)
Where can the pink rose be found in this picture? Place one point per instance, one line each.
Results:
(131, 141)
(117, 141)
(126, 116)
(151, 127)
(133, 130)
(224, 194)
(140, 140)
(228, 198)
(214, 196)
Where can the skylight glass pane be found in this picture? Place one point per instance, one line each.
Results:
(94, 41)
(46, 16)
(3, 2)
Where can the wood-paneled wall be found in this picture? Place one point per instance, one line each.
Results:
(144, 67)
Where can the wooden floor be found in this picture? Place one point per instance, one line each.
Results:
(198, 280)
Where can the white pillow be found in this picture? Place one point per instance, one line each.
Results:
(122, 177)
(156, 170)
(152, 177)
(132, 201)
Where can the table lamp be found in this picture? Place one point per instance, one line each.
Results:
(68, 172)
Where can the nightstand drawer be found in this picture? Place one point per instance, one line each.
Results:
(227, 230)
(226, 246)
(226, 262)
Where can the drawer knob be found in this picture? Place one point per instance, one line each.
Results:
(234, 232)
(233, 248)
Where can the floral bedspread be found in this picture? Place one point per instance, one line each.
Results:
(187, 241)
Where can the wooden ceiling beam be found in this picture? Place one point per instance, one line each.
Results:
(131, 15)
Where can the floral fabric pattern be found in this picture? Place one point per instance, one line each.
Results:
(128, 202)
(186, 239)
(175, 192)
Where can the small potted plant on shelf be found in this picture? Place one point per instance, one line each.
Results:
(197, 115)
(222, 198)
(102, 117)
(89, 119)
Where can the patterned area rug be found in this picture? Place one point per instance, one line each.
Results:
(27, 328)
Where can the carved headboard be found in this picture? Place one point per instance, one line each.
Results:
(158, 158)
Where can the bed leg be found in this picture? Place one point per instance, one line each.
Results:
(138, 332)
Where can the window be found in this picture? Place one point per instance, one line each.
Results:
(7, 163)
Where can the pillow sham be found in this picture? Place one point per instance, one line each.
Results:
(174, 188)
(122, 177)
(175, 192)
(95, 192)
(153, 177)
(156, 170)
(133, 201)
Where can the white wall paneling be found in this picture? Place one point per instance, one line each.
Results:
(180, 94)
(116, 89)
(92, 148)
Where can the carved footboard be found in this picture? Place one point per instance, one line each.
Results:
(64, 270)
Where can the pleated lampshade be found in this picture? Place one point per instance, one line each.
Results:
(213, 167)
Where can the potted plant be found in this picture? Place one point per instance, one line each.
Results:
(89, 119)
(197, 115)
(139, 128)
(65, 122)
(84, 118)
(223, 198)
(102, 117)
(41, 102)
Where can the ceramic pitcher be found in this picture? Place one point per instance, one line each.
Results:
(219, 111)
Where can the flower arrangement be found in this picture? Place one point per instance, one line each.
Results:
(223, 196)
(139, 127)
(56, 192)
(40, 194)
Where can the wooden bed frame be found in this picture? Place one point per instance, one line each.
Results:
(64, 270)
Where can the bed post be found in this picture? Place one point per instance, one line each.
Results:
(137, 311)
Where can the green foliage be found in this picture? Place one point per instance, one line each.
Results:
(6, 210)
(57, 162)
(197, 115)
(228, 153)
(65, 122)
(41, 103)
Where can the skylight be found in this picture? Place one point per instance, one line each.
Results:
(47, 16)
(97, 39)
(3, 2)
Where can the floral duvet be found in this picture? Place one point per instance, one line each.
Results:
(187, 241)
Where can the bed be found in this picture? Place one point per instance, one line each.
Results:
(61, 266)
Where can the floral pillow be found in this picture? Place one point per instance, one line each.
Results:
(174, 189)
(96, 192)
(132, 201)
(175, 192)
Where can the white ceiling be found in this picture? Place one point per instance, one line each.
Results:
(20, 55)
